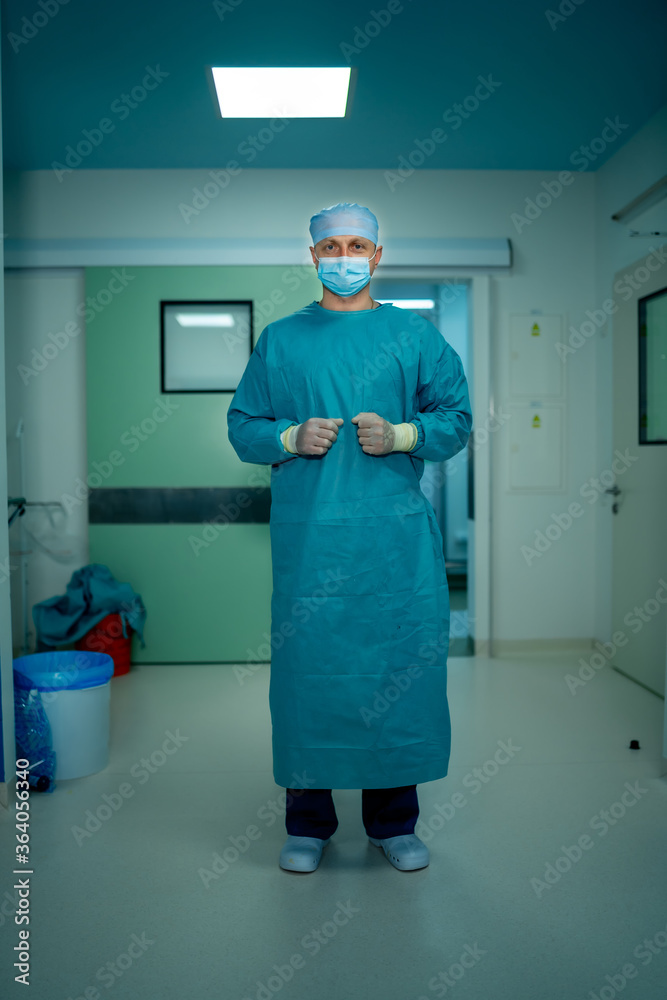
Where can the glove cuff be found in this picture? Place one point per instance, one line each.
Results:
(288, 438)
(405, 437)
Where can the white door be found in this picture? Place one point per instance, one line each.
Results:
(639, 554)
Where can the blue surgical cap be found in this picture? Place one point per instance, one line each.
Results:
(344, 219)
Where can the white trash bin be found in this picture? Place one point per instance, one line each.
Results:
(75, 689)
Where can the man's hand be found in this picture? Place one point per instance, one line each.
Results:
(376, 435)
(316, 435)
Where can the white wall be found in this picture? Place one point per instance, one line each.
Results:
(7, 743)
(556, 270)
(52, 404)
(631, 171)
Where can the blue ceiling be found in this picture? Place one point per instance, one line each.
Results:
(554, 85)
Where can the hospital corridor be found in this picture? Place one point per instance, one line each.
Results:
(333, 429)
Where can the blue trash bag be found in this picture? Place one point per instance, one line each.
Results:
(33, 739)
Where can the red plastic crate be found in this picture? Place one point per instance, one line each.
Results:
(107, 637)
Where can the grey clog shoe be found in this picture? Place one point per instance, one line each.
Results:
(406, 852)
(302, 854)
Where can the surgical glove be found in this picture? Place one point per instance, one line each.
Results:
(314, 436)
(378, 436)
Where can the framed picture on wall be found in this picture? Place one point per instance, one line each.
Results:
(652, 328)
(204, 346)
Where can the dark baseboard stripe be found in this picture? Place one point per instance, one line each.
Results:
(165, 505)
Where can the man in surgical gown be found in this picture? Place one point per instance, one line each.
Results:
(345, 399)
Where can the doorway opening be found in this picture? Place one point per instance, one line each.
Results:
(447, 485)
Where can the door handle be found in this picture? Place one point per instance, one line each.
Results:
(615, 492)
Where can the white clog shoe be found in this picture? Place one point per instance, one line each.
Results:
(406, 852)
(302, 854)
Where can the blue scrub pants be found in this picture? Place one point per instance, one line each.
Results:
(386, 812)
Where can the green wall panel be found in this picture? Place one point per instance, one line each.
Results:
(190, 447)
(210, 607)
(213, 606)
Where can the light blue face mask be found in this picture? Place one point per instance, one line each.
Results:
(344, 275)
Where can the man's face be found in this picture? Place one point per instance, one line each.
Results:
(347, 246)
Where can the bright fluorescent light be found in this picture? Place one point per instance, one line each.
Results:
(281, 91)
(205, 319)
(410, 303)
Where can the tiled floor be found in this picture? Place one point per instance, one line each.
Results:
(147, 885)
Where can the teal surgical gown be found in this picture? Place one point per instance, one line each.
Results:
(360, 603)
